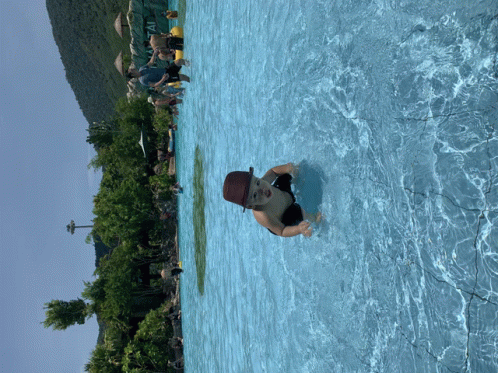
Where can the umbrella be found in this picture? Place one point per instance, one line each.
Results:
(143, 140)
(118, 62)
(118, 24)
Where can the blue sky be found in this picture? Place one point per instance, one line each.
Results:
(45, 184)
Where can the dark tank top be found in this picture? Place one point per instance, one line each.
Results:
(293, 215)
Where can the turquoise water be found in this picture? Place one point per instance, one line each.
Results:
(391, 108)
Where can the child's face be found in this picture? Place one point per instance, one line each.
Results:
(260, 192)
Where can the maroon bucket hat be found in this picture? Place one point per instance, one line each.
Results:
(236, 187)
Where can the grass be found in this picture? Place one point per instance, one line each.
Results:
(199, 220)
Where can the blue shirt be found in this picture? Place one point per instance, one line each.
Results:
(150, 75)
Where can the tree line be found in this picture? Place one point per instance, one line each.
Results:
(128, 294)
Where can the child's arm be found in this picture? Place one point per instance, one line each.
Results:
(303, 228)
(279, 228)
(276, 171)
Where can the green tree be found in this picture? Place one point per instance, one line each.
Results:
(102, 361)
(127, 291)
(61, 314)
(138, 110)
(148, 350)
(107, 356)
(161, 121)
(123, 204)
(123, 210)
(101, 134)
(95, 293)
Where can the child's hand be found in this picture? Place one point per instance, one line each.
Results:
(293, 169)
(305, 229)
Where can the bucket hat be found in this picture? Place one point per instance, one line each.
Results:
(236, 187)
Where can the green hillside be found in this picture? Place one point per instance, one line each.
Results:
(88, 44)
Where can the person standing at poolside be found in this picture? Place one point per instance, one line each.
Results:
(170, 14)
(154, 77)
(271, 200)
(168, 100)
(174, 91)
(166, 41)
(165, 54)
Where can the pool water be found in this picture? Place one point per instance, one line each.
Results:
(391, 110)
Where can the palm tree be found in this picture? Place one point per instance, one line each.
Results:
(61, 314)
(71, 226)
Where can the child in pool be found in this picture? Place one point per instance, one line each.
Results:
(271, 200)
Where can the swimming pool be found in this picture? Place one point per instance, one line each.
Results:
(391, 108)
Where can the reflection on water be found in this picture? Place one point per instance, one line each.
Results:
(199, 220)
(309, 186)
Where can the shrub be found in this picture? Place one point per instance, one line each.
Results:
(161, 122)
(149, 348)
